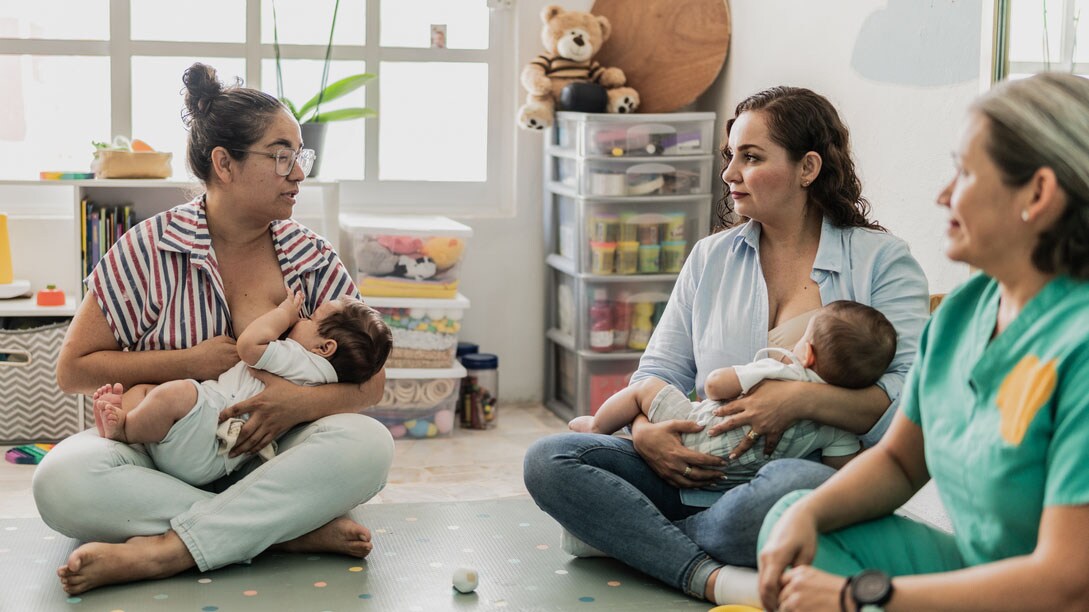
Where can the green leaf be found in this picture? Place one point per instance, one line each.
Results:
(291, 107)
(342, 114)
(336, 90)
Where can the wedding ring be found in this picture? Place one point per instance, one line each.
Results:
(752, 435)
(687, 470)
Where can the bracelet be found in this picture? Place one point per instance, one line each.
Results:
(843, 593)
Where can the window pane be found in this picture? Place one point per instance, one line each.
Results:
(55, 19)
(422, 140)
(1081, 42)
(51, 108)
(307, 22)
(158, 98)
(407, 23)
(190, 21)
(1027, 31)
(342, 155)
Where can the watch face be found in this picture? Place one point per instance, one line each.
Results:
(870, 587)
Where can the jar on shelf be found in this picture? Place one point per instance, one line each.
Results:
(480, 404)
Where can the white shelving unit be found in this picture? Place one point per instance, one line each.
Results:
(626, 197)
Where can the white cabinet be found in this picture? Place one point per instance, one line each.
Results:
(626, 198)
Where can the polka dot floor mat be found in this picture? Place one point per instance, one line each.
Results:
(512, 545)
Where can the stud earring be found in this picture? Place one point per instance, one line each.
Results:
(1025, 215)
(805, 183)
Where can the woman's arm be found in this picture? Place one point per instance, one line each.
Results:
(91, 356)
(283, 405)
(871, 486)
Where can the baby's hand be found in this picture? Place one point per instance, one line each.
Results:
(292, 305)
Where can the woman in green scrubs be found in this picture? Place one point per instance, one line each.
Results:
(996, 407)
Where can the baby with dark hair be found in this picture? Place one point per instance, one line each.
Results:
(846, 344)
(344, 341)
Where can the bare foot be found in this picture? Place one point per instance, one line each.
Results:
(113, 420)
(341, 535)
(582, 424)
(98, 413)
(96, 564)
(111, 394)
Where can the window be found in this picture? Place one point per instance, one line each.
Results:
(88, 70)
(1042, 36)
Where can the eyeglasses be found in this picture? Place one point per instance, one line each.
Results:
(286, 159)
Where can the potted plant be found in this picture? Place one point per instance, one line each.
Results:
(310, 115)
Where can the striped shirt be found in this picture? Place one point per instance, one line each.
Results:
(563, 68)
(160, 286)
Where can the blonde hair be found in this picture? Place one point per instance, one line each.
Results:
(1038, 122)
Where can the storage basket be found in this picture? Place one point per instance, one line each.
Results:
(33, 408)
(131, 164)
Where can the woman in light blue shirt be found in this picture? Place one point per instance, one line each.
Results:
(804, 239)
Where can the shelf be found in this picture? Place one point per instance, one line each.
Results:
(568, 343)
(565, 265)
(564, 190)
(28, 307)
(568, 153)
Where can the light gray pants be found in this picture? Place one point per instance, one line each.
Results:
(99, 490)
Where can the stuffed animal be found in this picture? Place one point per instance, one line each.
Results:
(571, 38)
(374, 259)
(419, 268)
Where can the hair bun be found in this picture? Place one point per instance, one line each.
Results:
(202, 87)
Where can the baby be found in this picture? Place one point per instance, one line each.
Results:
(344, 341)
(845, 344)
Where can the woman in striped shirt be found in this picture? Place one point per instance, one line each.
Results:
(167, 302)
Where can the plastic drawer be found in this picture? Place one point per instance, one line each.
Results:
(669, 134)
(419, 403)
(425, 332)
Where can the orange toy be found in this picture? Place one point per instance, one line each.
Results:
(50, 296)
(140, 145)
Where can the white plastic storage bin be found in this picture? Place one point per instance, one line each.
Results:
(581, 385)
(607, 316)
(405, 256)
(638, 135)
(419, 403)
(425, 332)
(604, 236)
(666, 176)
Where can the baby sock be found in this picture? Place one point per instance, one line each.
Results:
(737, 585)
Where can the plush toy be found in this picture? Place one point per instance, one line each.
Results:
(445, 252)
(571, 38)
(374, 259)
(418, 268)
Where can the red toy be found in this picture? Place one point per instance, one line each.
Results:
(50, 296)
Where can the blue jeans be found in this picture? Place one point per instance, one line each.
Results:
(600, 489)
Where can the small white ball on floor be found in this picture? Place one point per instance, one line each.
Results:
(465, 579)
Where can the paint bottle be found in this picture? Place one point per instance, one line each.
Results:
(641, 325)
(601, 323)
(621, 322)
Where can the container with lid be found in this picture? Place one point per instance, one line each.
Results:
(480, 391)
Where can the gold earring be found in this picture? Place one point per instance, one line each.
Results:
(1025, 215)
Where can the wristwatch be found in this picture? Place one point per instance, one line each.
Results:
(871, 590)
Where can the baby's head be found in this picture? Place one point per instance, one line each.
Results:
(848, 344)
(350, 334)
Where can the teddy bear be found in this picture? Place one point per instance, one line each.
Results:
(571, 38)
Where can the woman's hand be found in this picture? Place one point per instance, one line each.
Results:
(768, 410)
(793, 542)
(212, 357)
(660, 446)
(272, 412)
(807, 589)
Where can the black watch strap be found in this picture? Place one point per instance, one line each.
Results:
(871, 589)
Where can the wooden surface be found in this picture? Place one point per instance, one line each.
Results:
(670, 50)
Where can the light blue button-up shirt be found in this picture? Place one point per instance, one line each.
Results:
(718, 314)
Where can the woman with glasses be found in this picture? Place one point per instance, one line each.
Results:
(167, 303)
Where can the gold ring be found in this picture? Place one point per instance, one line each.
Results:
(752, 435)
(687, 470)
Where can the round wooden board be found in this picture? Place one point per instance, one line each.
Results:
(670, 50)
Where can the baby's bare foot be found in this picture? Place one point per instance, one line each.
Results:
(341, 535)
(98, 414)
(113, 420)
(582, 424)
(96, 564)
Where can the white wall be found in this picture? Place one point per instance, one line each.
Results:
(903, 92)
(901, 73)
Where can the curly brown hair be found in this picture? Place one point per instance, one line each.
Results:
(800, 121)
(364, 341)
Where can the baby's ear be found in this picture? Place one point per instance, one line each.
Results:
(326, 349)
(808, 356)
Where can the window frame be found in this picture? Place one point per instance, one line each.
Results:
(1003, 66)
(492, 197)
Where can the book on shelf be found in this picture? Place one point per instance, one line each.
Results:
(101, 225)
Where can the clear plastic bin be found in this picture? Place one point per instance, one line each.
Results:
(425, 332)
(405, 256)
(419, 403)
(638, 135)
(634, 310)
(585, 391)
(667, 176)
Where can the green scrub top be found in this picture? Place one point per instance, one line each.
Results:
(1005, 420)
